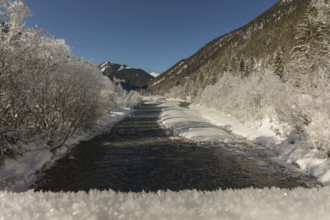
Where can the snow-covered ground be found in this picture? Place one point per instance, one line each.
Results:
(17, 175)
(247, 204)
(202, 124)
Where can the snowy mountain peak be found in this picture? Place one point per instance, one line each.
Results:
(130, 78)
(154, 74)
(116, 66)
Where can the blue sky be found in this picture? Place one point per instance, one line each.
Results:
(149, 34)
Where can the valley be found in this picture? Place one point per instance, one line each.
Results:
(236, 129)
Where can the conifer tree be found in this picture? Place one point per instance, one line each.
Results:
(312, 37)
(278, 63)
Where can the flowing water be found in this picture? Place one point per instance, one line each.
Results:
(138, 155)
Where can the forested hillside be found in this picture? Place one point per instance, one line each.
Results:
(258, 44)
(275, 68)
(46, 94)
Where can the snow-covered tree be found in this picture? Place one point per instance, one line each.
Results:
(46, 94)
(313, 38)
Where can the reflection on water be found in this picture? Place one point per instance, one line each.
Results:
(137, 155)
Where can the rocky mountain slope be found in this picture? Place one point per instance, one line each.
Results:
(129, 78)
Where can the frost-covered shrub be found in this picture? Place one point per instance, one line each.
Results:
(132, 99)
(46, 94)
(244, 98)
(121, 98)
(307, 110)
(177, 92)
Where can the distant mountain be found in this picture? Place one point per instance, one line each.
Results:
(154, 74)
(129, 78)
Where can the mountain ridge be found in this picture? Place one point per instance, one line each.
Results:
(128, 77)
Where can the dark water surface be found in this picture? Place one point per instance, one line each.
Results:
(138, 156)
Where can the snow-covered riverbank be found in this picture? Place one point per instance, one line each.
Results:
(201, 124)
(244, 204)
(17, 175)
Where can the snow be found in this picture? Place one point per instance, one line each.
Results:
(106, 63)
(103, 69)
(122, 67)
(244, 204)
(17, 175)
(154, 74)
(189, 124)
(201, 124)
(251, 131)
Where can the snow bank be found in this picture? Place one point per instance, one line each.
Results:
(244, 204)
(17, 175)
(153, 99)
(201, 124)
(308, 160)
(189, 124)
(251, 131)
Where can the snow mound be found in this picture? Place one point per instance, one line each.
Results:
(189, 124)
(245, 204)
